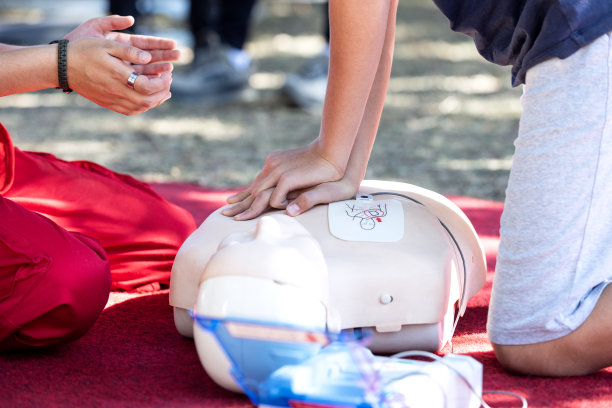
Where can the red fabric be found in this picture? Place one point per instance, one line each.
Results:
(139, 231)
(7, 160)
(63, 224)
(134, 357)
(53, 283)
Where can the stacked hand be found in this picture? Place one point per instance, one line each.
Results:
(297, 180)
(100, 62)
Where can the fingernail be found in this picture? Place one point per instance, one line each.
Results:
(293, 209)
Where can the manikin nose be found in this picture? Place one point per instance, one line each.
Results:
(267, 229)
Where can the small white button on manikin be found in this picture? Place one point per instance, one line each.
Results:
(386, 299)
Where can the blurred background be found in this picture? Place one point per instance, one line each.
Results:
(449, 121)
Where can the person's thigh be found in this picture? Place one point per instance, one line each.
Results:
(53, 284)
(554, 258)
(139, 230)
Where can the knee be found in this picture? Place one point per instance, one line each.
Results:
(64, 303)
(514, 358)
(82, 296)
(546, 359)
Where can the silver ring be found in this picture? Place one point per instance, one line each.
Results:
(132, 79)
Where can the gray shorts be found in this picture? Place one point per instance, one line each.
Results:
(555, 253)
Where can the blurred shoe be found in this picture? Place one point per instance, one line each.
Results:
(217, 74)
(306, 88)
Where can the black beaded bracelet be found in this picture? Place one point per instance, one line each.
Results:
(62, 59)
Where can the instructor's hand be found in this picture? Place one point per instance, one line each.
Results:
(97, 70)
(161, 49)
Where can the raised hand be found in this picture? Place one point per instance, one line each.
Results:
(100, 61)
(161, 49)
(98, 69)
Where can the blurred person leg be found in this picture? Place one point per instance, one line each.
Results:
(221, 67)
(306, 87)
(125, 8)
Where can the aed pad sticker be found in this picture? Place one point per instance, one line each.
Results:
(366, 220)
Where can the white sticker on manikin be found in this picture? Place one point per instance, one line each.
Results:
(366, 220)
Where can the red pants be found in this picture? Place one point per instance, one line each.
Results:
(70, 232)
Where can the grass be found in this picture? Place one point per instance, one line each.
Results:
(448, 124)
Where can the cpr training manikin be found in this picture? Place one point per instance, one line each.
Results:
(398, 260)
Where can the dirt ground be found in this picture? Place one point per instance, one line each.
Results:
(448, 125)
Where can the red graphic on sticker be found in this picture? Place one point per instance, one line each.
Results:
(366, 215)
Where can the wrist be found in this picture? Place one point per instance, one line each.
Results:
(46, 55)
(335, 157)
(354, 175)
(62, 65)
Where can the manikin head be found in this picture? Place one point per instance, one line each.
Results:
(280, 249)
(275, 273)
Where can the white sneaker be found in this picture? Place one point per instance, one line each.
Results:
(306, 88)
(213, 75)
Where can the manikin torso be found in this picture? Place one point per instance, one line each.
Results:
(404, 281)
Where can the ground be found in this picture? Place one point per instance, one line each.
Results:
(448, 125)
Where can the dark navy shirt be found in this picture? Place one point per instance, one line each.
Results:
(523, 33)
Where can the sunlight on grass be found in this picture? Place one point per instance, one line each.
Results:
(75, 149)
(35, 100)
(267, 80)
(480, 83)
(25, 15)
(209, 128)
(402, 101)
(500, 107)
(476, 164)
(296, 45)
(464, 51)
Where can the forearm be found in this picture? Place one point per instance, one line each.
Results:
(366, 135)
(25, 69)
(6, 47)
(358, 33)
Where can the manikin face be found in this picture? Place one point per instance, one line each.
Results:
(275, 273)
(279, 248)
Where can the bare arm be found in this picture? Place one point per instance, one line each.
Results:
(360, 64)
(27, 69)
(358, 34)
(96, 66)
(6, 47)
(366, 135)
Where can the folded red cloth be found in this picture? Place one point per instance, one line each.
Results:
(7, 160)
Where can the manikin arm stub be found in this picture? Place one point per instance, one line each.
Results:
(333, 165)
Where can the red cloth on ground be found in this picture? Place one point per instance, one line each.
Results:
(134, 357)
(115, 216)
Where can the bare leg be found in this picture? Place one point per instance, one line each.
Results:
(584, 351)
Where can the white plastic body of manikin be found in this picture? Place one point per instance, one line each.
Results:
(408, 290)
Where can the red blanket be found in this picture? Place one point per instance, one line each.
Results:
(134, 357)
